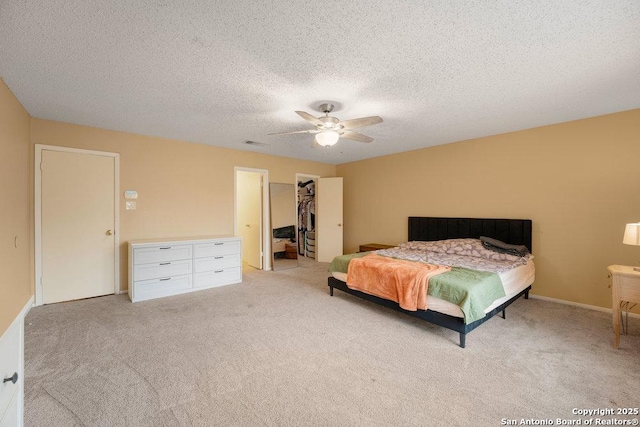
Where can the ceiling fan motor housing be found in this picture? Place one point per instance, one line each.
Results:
(326, 108)
(329, 123)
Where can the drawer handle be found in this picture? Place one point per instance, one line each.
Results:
(13, 378)
(218, 244)
(165, 263)
(165, 279)
(168, 247)
(218, 271)
(218, 257)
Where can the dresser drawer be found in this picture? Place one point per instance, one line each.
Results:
(214, 278)
(629, 288)
(11, 416)
(162, 269)
(227, 247)
(162, 254)
(217, 263)
(9, 364)
(147, 289)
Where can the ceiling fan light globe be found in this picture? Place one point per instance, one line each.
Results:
(327, 138)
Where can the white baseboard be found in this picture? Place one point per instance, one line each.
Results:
(28, 306)
(577, 304)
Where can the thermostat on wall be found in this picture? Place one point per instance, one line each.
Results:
(130, 194)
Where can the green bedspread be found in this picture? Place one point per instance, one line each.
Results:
(340, 263)
(472, 290)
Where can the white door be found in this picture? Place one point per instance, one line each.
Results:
(249, 199)
(328, 219)
(78, 222)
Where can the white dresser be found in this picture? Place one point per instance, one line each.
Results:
(12, 371)
(11, 387)
(159, 268)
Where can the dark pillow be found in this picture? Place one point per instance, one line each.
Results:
(502, 247)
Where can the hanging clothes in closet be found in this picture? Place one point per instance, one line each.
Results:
(307, 219)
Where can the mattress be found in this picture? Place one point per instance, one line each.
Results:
(513, 281)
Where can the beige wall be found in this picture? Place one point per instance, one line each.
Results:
(184, 189)
(15, 262)
(578, 181)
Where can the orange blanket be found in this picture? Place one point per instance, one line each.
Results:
(405, 282)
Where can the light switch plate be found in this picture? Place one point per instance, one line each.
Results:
(130, 206)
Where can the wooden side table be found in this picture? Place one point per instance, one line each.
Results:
(374, 247)
(625, 288)
(291, 250)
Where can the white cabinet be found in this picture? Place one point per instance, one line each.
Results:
(159, 268)
(217, 263)
(12, 369)
(10, 360)
(12, 417)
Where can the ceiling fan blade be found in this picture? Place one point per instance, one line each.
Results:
(356, 136)
(308, 117)
(361, 122)
(295, 131)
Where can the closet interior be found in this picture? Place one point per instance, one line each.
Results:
(307, 218)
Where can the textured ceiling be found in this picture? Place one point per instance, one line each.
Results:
(223, 72)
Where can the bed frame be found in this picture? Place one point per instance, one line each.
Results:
(513, 231)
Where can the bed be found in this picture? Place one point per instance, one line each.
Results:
(430, 229)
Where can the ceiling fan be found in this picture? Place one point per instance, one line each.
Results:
(329, 129)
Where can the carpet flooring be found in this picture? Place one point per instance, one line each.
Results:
(277, 350)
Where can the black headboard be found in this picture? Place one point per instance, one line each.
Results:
(512, 231)
(288, 232)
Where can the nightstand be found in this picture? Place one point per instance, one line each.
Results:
(374, 247)
(291, 250)
(625, 288)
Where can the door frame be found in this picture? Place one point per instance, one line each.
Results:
(38, 213)
(265, 226)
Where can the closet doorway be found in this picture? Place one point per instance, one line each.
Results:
(329, 211)
(251, 200)
(306, 218)
(319, 219)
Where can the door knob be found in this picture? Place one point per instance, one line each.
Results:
(13, 378)
(339, 225)
(109, 232)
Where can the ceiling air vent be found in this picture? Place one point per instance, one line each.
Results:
(255, 143)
